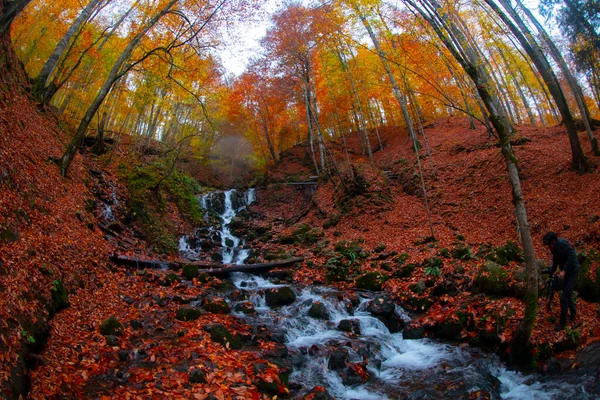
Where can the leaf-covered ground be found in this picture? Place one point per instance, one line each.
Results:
(50, 236)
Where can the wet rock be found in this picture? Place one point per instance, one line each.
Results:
(216, 257)
(272, 388)
(338, 359)
(355, 374)
(445, 287)
(318, 311)
(382, 306)
(204, 278)
(413, 332)
(238, 295)
(216, 306)
(60, 296)
(190, 271)
(371, 281)
(349, 325)
(220, 334)
(225, 285)
(112, 340)
(197, 376)
(245, 307)
(276, 350)
(277, 297)
(111, 326)
(318, 393)
(188, 313)
(285, 275)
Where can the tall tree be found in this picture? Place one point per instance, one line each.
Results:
(454, 39)
(10, 9)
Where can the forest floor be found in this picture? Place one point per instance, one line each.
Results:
(51, 239)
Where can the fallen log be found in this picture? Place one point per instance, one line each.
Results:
(128, 261)
(254, 268)
(210, 268)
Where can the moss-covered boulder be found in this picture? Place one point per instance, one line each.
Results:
(204, 278)
(370, 281)
(462, 252)
(318, 311)
(190, 271)
(267, 383)
(282, 296)
(188, 313)
(491, 280)
(412, 332)
(405, 271)
(220, 334)
(216, 306)
(111, 326)
(60, 297)
(588, 281)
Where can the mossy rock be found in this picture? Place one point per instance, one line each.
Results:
(60, 297)
(406, 271)
(318, 311)
(448, 329)
(433, 262)
(413, 332)
(419, 304)
(371, 281)
(588, 283)
(190, 271)
(444, 252)
(282, 296)
(349, 325)
(462, 252)
(271, 388)
(216, 306)
(380, 247)
(491, 280)
(225, 285)
(171, 278)
(204, 278)
(503, 255)
(220, 334)
(111, 326)
(188, 313)
(382, 306)
(216, 257)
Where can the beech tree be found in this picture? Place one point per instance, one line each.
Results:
(454, 39)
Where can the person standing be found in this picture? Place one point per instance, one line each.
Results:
(565, 258)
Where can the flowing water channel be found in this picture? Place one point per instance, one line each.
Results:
(393, 367)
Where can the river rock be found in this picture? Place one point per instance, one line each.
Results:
(245, 307)
(382, 306)
(318, 311)
(318, 393)
(355, 374)
(411, 332)
(188, 313)
(589, 357)
(264, 385)
(338, 359)
(349, 325)
(111, 326)
(220, 334)
(216, 306)
(276, 297)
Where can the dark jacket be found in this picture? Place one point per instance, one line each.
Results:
(565, 257)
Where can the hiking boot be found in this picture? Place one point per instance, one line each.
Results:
(573, 318)
(559, 327)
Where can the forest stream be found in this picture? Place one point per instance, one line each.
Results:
(342, 341)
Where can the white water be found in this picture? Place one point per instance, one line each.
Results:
(397, 367)
(232, 246)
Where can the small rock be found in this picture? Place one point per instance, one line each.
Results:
(245, 307)
(128, 299)
(349, 325)
(197, 376)
(188, 313)
(112, 340)
(220, 334)
(123, 355)
(216, 306)
(338, 359)
(111, 326)
(135, 324)
(281, 296)
(318, 311)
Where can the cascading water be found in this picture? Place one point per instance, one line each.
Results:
(226, 205)
(397, 368)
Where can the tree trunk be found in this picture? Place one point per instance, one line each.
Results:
(115, 73)
(564, 68)
(10, 9)
(41, 81)
(455, 41)
(526, 40)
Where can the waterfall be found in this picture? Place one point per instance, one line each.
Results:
(227, 205)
